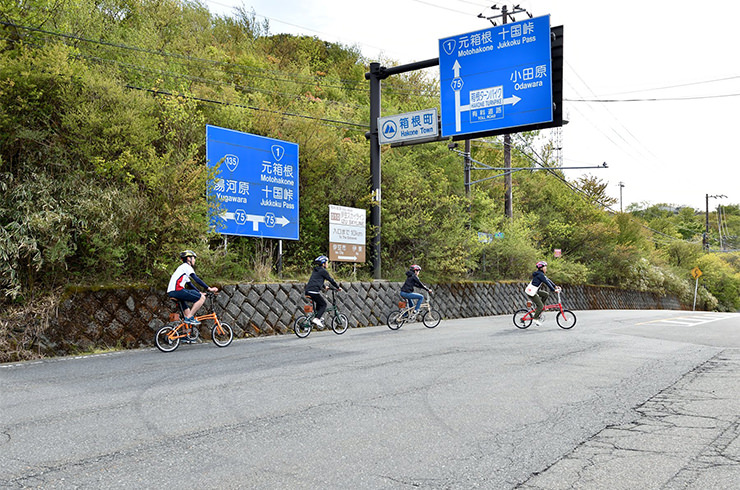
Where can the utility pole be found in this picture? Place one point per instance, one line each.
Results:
(468, 167)
(621, 186)
(508, 198)
(705, 239)
(508, 204)
(466, 159)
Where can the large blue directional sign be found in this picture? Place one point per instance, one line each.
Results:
(496, 78)
(255, 186)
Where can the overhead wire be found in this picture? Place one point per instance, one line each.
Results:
(623, 127)
(232, 68)
(210, 81)
(261, 72)
(658, 99)
(352, 125)
(606, 207)
(254, 108)
(430, 4)
(291, 24)
(680, 85)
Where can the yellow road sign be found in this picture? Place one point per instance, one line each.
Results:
(696, 272)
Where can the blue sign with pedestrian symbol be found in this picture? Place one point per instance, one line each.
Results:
(496, 78)
(254, 191)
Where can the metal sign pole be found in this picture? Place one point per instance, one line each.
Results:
(280, 259)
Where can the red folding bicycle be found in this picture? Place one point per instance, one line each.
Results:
(524, 317)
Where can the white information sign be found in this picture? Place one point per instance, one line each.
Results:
(346, 234)
(408, 126)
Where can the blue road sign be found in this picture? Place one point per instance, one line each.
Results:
(496, 78)
(255, 185)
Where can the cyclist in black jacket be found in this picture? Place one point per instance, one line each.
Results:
(412, 281)
(538, 279)
(316, 283)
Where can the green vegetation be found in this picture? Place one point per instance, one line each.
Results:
(103, 107)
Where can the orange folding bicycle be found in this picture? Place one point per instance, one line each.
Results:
(168, 338)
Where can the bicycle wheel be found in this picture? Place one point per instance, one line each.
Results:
(395, 320)
(166, 339)
(222, 334)
(302, 326)
(566, 319)
(339, 324)
(431, 318)
(522, 319)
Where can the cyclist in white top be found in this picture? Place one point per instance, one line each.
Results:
(182, 289)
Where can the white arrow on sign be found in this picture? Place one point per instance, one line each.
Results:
(456, 70)
(269, 219)
(459, 109)
(507, 101)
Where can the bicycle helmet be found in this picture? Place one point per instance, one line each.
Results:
(541, 264)
(321, 259)
(415, 268)
(187, 253)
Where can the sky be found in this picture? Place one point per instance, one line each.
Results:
(651, 88)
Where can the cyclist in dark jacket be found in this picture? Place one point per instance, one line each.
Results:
(538, 279)
(316, 283)
(413, 281)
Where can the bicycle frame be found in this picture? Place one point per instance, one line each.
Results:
(304, 323)
(331, 307)
(168, 337)
(333, 303)
(430, 317)
(551, 307)
(565, 318)
(425, 305)
(176, 333)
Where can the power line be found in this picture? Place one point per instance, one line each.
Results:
(253, 108)
(657, 99)
(611, 114)
(580, 191)
(351, 85)
(211, 81)
(430, 4)
(187, 58)
(334, 122)
(279, 21)
(667, 87)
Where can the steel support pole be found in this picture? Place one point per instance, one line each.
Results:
(508, 206)
(375, 77)
(467, 168)
(706, 227)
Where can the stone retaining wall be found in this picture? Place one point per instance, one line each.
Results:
(129, 317)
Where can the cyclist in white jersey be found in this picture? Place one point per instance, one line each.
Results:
(182, 289)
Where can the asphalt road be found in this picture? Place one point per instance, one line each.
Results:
(626, 399)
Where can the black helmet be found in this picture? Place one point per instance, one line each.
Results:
(187, 253)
